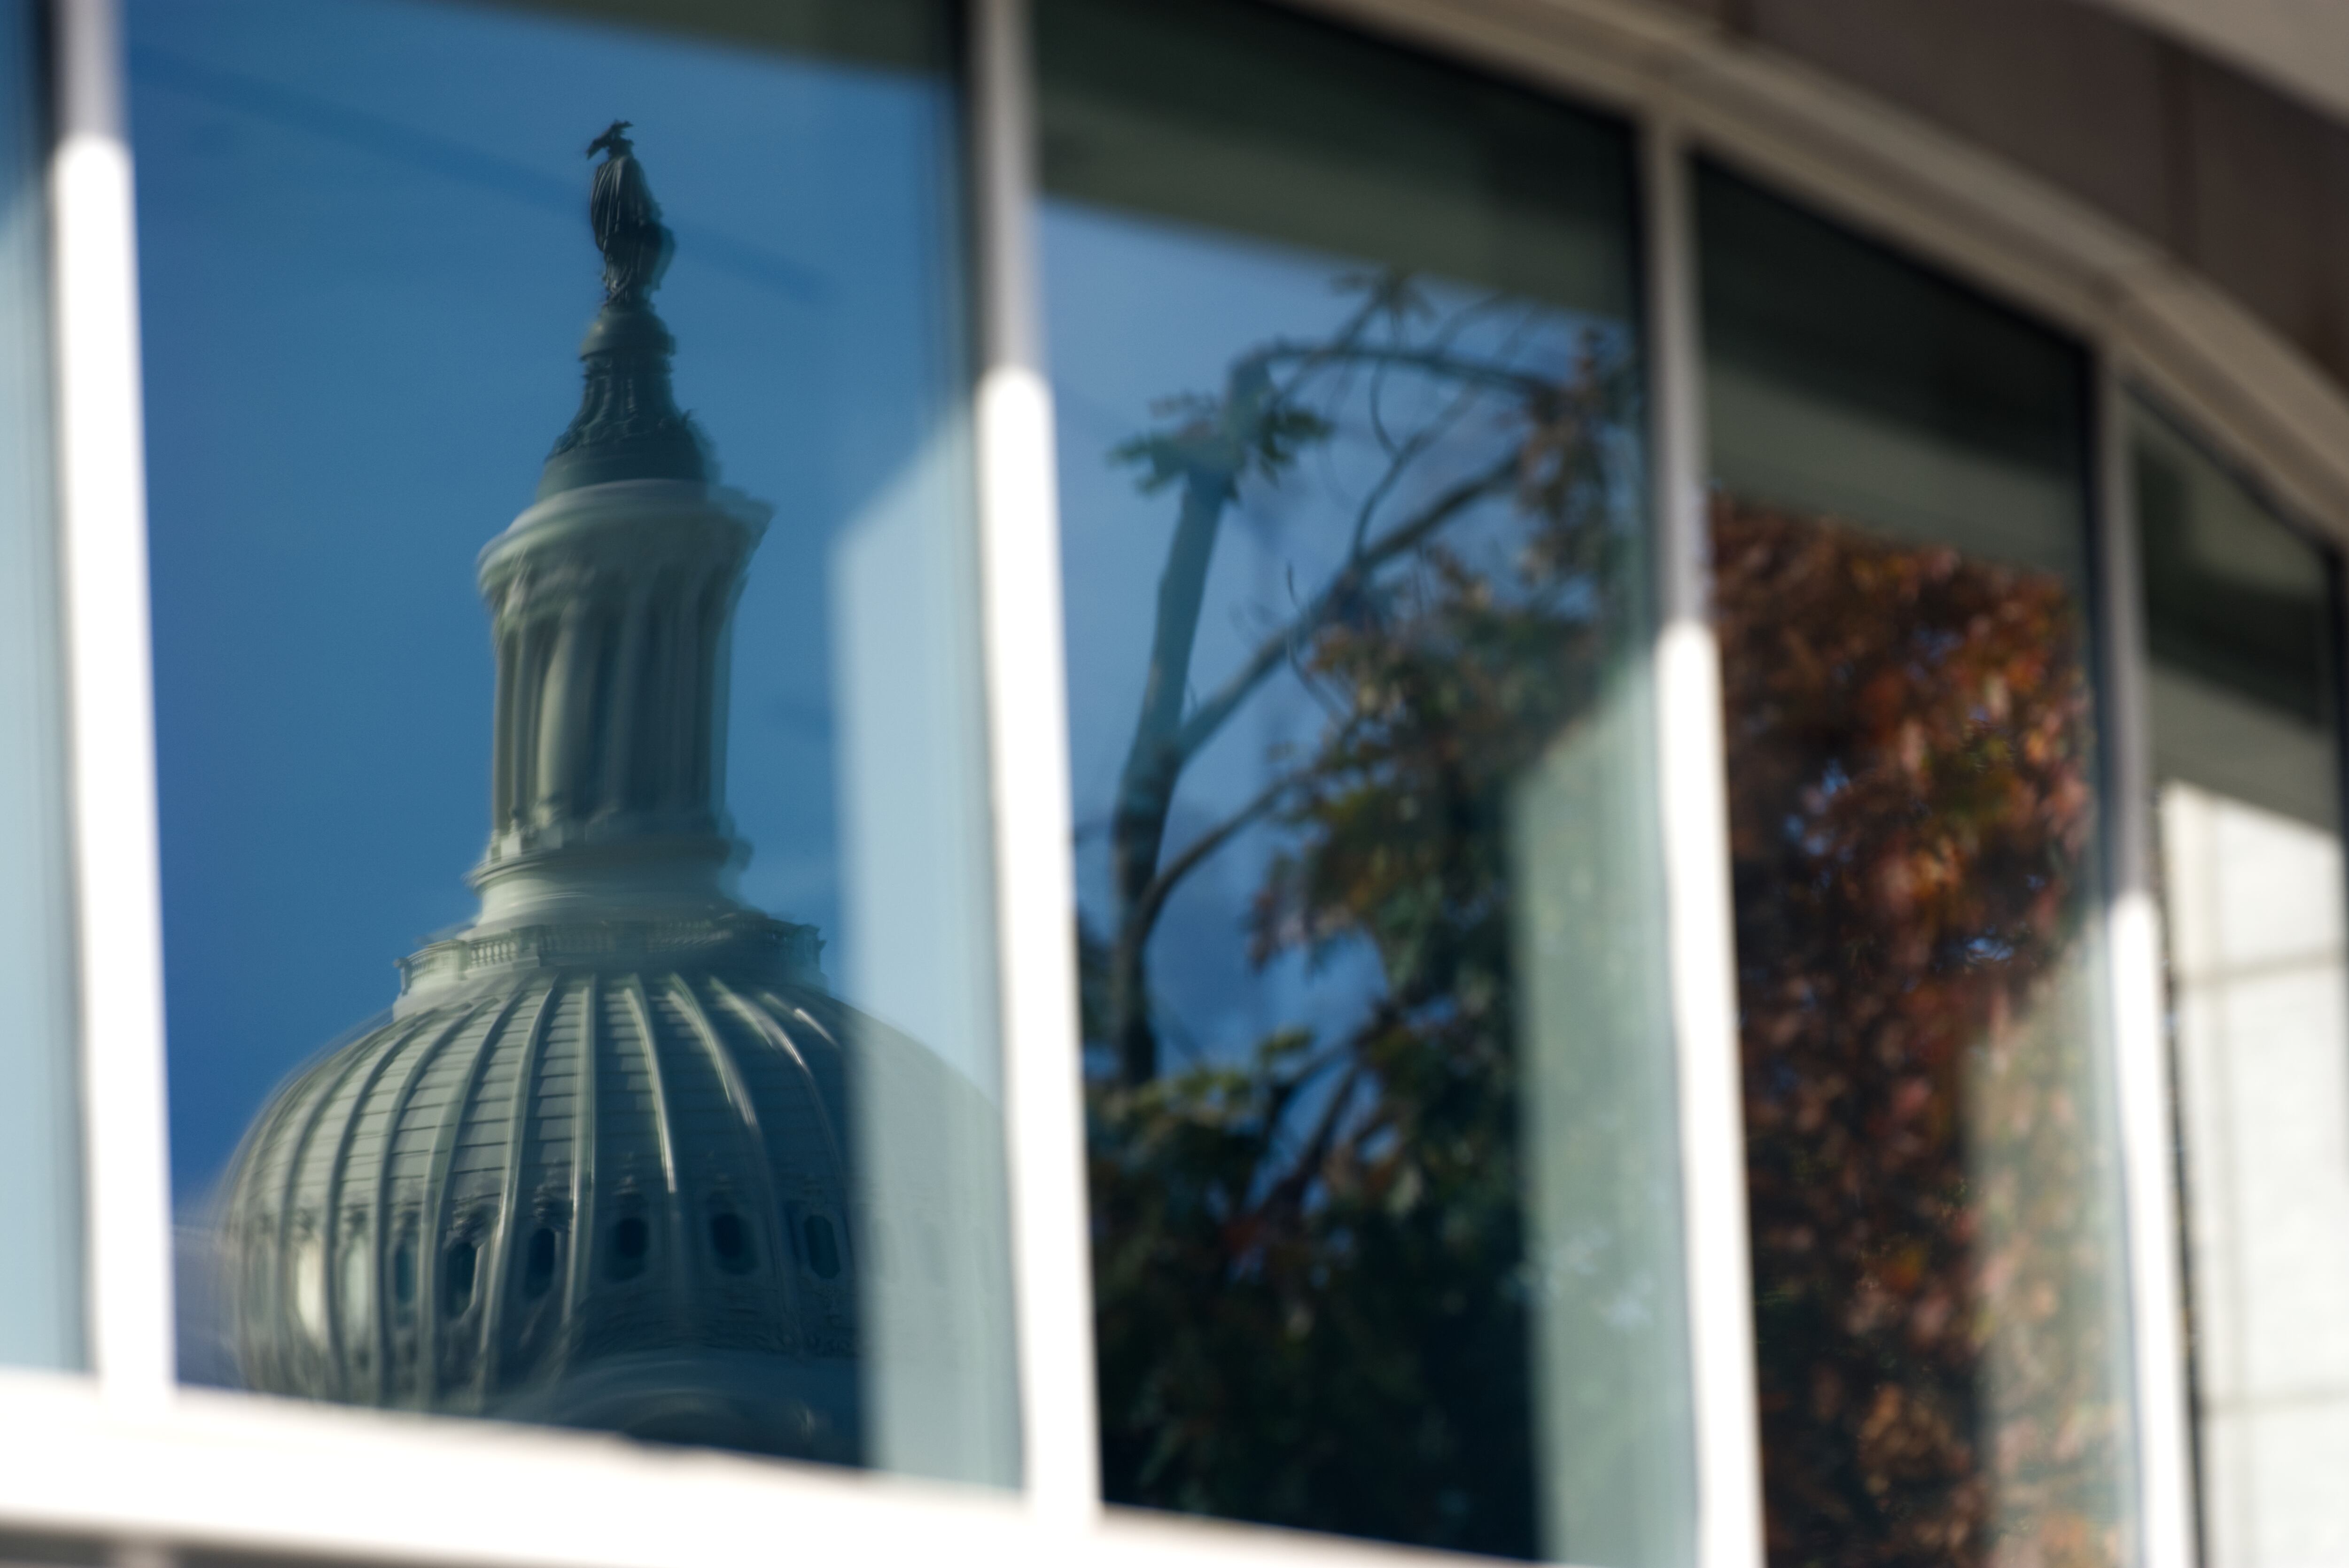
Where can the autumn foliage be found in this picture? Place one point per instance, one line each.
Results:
(1312, 1286)
(1309, 1260)
(1913, 832)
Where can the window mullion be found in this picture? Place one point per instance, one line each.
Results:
(2140, 1043)
(1694, 818)
(102, 505)
(1027, 747)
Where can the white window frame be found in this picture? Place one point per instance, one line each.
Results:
(124, 1455)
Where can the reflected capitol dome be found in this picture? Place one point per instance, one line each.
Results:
(597, 1168)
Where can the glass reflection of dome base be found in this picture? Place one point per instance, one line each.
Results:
(599, 1195)
(757, 1404)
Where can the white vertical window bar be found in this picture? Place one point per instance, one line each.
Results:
(1019, 556)
(103, 514)
(1695, 821)
(2140, 1041)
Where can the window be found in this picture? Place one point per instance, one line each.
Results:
(2243, 623)
(1901, 530)
(1354, 523)
(1297, 476)
(682, 1122)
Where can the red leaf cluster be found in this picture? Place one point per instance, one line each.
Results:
(1913, 821)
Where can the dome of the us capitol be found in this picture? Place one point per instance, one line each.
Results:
(597, 1168)
(609, 1194)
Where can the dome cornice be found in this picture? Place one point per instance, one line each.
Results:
(739, 942)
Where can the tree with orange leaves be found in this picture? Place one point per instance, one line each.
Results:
(1913, 836)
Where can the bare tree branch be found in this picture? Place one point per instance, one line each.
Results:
(1209, 716)
(1154, 897)
(1257, 422)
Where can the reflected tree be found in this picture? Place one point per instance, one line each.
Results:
(1913, 834)
(1309, 1252)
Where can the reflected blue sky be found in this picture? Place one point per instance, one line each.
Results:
(1142, 310)
(366, 270)
(1114, 280)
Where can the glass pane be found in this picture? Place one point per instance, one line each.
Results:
(1899, 530)
(655, 1135)
(40, 1224)
(2244, 622)
(1386, 1235)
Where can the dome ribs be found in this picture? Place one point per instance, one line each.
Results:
(492, 1294)
(768, 1029)
(284, 1105)
(345, 1135)
(458, 1018)
(750, 1137)
(632, 987)
(583, 1152)
(434, 1230)
(481, 1192)
(821, 1106)
(283, 1291)
(544, 1177)
(830, 1077)
(831, 1316)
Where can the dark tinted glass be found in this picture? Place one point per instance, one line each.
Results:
(682, 1119)
(1385, 1223)
(1901, 549)
(2234, 600)
(2242, 618)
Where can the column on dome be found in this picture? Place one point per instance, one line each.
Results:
(611, 594)
(657, 759)
(560, 701)
(611, 682)
(623, 726)
(704, 645)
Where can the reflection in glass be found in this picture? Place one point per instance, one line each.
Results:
(620, 1156)
(1900, 540)
(2241, 618)
(40, 1222)
(1385, 1228)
